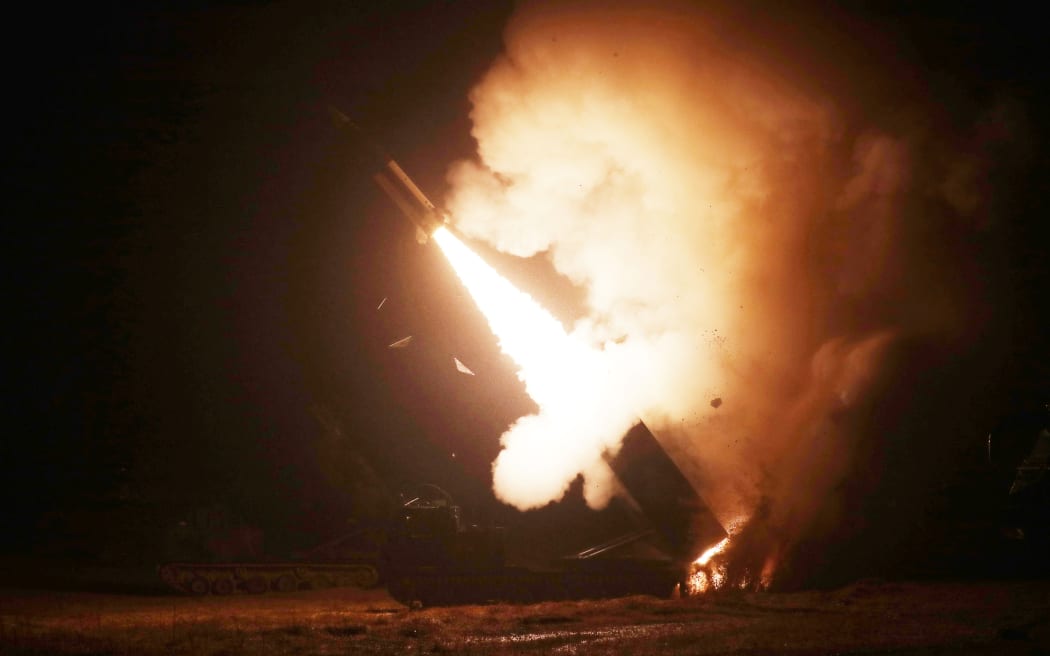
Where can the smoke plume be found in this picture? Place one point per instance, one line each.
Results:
(750, 251)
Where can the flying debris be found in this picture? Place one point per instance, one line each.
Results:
(408, 197)
(394, 182)
(462, 368)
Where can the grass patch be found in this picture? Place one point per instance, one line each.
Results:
(884, 618)
(541, 620)
(348, 630)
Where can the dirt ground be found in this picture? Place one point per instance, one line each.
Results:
(869, 617)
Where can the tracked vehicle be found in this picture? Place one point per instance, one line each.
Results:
(1021, 447)
(429, 555)
(433, 557)
(352, 560)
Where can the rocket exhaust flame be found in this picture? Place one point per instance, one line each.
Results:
(734, 241)
(526, 332)
(743, 233)
(552, 365)
(566, 377)
(712, 552)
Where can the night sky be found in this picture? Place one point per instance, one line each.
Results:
(195, 261)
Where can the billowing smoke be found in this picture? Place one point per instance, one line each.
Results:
(750, 251)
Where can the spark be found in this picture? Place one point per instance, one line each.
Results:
(712, 552)
(707, 575)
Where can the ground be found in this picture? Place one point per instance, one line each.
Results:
(869, 617)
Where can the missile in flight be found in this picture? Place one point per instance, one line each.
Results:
(393, 180)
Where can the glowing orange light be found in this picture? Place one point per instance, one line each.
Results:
(534, 339)
(712, 552)
(705, 575)
(583, 407)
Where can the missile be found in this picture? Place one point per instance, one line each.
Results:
(393, 180)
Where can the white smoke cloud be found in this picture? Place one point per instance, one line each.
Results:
(729, 230)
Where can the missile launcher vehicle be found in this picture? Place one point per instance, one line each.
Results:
(428, 555)
(432, 557)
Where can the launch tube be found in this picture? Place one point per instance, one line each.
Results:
(393, 180)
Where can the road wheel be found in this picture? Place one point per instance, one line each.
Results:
(222, 585)
(366, 577)
(286, 583)
(199, 586)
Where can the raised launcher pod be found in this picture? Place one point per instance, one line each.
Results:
(392, 179)
(664, 497)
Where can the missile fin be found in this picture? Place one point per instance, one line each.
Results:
(401, 343)
(462, 368)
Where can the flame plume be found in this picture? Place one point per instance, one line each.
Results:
(567, 378)
(535, 340)
(754, 253)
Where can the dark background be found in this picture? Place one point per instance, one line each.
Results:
(195, 263)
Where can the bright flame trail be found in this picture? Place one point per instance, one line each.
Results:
(583, 407)
(559, 372)
(535, 340)
(707, 575)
